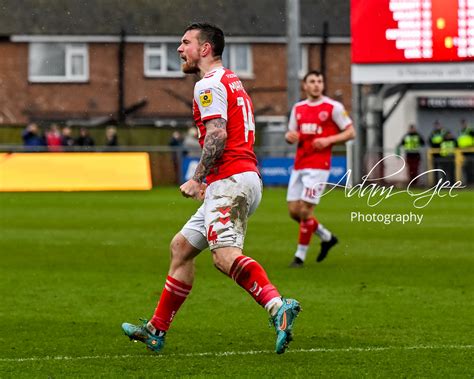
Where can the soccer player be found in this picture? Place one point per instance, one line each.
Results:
(316, 124)
(223, 113)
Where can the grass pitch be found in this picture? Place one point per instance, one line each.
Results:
(390, 300)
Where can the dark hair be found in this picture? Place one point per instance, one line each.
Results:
(209, 33)
(312, 72)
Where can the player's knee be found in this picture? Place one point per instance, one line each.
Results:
(306, 211)
(305, 214)
(219, 262)
(294, 212)
(224, 258)
(294, 215)
(178, 252)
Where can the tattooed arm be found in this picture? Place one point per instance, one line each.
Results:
(214, 144)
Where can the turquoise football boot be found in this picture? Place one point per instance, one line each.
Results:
(283, 322)
(141, 333)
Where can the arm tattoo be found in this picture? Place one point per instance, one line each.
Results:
(214, 144)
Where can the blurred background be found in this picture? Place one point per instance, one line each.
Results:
(104, 76)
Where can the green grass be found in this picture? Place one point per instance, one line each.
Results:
(390, 300)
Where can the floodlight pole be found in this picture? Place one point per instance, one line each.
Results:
(121, 79)
(357, 148)
(293, 51)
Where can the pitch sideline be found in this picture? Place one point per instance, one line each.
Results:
(250, 352)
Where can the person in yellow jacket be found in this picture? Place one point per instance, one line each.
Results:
(466, 136)
(465, 142)
(447, 149)
(435, 139)
(412, 142)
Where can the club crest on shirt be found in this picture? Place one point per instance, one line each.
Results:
(205, 97)
(323, 116)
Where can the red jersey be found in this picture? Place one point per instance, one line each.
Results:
(220, 94)
(53, 140)
(322, 118)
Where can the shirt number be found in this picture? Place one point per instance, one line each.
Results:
(248, 117)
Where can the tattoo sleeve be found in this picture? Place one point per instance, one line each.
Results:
(214, 144)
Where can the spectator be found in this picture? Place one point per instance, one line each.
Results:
(53, 138)
(111, 138)
(84, 138)
(412, 143)
(466, 143)
(191, 143)
(66, 138)
(447, 150)
(32, 136)
(435, 139)
(466, 136)
(176, 141)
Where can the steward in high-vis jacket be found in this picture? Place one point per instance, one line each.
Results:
(412, 142)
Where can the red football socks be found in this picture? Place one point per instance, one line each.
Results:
(307, 228)
(248, 274)
(172, 297)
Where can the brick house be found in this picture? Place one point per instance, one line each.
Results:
(59, 60)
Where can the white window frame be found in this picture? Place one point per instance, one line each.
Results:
(304, 61)
(243, 74)
(161, 51)
(71, 49)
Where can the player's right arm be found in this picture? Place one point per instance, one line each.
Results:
(292, 135)
(212, 150)
(211, 98)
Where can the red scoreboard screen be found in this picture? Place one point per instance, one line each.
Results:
(403, 31)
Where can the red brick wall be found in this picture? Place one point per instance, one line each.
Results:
(13, 84)
(20, 99)
(338, 64)
(338, 71)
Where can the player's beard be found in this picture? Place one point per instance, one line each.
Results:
(190, 68)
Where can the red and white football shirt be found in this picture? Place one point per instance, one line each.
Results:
(220, 94)
(322, 118)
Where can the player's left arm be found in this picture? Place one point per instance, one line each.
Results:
(343, 121)
(212, 150)
(346, 135)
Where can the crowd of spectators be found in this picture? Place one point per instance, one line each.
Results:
(54, 138)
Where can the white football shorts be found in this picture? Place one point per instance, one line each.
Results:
(307, 184)
(221, 221)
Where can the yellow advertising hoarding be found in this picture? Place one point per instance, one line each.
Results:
(74, 172)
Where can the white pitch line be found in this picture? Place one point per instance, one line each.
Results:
(250, 352)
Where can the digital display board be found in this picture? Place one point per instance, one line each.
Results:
(404, 31)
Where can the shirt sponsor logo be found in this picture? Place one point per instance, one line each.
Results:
(310, 128)
(323, 116)
(205, 97)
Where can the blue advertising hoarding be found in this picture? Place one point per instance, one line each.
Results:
(276, 171)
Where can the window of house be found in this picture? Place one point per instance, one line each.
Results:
(238, 58)
(58, 62)
(162, 59)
